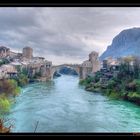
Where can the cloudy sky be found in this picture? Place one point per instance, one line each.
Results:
(64, 35)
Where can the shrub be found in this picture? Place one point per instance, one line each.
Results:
(3, 128)
(114, 95)
(4, 105)
(133, 96)
(9, 87)
(134, 86)
(86, 81)
(131, 86)
(97, 77)
(111, 84)
(25, 71)
(4, 61)
(22, 80)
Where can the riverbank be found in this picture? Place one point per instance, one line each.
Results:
(70, 108)
(9, 89)
(115, 89)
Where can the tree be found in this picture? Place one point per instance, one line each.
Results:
(22, 80)
(9, 87)
(137, 67)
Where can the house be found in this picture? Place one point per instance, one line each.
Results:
(4, 52)
(8, 71)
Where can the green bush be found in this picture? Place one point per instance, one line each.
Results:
(137, 81)
(114, 95)
(97, 77)
(111, 84)
(83, 82)
(25, 71)
(4, 105)
(22, 80)
(9, 87)
(86, 81)
(133, 95)
(4, 61)
(133, 86)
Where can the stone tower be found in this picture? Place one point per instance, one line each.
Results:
(94, 59)
(27, 53)
(90, 66)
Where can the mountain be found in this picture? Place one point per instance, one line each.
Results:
(127, 42)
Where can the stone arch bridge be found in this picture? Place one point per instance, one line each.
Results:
(75, 67)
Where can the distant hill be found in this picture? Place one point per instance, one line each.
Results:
(125, 43)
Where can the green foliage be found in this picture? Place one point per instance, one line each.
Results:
(9, 87)
(4, 61)
(22, 80)
(4, 105)
(111, 84)
(97, 77)
(86, 81)
(125, 86)
(25, 71)
(37, 75)
(137, 84)
(133, 94)
(114, 95)
(1, 63)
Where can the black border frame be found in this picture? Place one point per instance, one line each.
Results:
(41, 3)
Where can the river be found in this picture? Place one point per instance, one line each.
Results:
(62, 105)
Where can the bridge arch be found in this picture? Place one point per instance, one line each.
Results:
(54, 69)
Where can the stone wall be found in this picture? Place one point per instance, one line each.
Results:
(27, 53)
(90, 66)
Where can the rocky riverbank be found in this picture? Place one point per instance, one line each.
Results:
(114, 89)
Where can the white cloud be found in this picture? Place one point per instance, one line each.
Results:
(64, 35)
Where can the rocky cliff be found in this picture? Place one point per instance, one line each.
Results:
(125, 43)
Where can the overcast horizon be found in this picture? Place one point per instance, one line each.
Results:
(64, 34)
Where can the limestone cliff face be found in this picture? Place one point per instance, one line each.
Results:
(125, 43)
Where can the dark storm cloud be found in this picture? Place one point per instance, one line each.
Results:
(64, 34)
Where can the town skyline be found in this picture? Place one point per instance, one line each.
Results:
(64, 35)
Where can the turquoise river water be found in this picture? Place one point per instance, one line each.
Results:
(62, 105)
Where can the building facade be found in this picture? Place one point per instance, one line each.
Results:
(4, 52)
(27, 53)
(94, 59)
(90, 66)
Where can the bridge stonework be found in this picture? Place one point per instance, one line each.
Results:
(54, 69)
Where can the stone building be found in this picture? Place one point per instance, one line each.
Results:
(8, 71)
(85, 69)
(38, 59)
(27, 53)
(90, 66)
(4, 52)
(41, 70)
(15, 56)
(94, 59)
